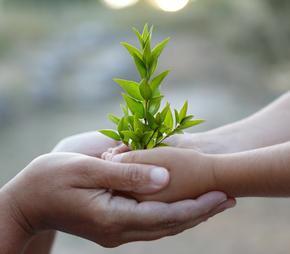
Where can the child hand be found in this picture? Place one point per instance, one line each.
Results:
(192, 173)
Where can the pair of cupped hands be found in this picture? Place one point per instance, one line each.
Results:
(95, 188)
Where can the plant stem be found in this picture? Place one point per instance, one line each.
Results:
(168, 135)
(146, 109)
(151, 138)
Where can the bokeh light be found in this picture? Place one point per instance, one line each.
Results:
(171, 5)
(119, 4)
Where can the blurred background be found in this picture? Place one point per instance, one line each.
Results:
(228, 58)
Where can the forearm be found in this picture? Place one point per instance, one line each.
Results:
(263, 172)
(42, 243)
(267, 127)
(13, 236)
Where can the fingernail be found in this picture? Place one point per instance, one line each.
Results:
(230, 204)
(117, 158)
(159, 176)
(225, 206)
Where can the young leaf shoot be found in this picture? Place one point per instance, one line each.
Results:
(144, 125)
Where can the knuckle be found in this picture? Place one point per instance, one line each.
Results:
(170, 222)
(45, 158)
(40, 164)
(79, 164)
(131, 157)
(202, 210)
(132, 175)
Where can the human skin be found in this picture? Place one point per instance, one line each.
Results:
(259, 139)
(267, 127)
(263, 172)
(88, 143)
(68, 192)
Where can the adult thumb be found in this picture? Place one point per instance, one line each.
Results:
(137, 178)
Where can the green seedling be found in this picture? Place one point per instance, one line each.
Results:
(144, 125)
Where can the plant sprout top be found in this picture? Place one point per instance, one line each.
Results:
(144, 125)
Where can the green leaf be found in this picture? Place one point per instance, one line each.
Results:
(145, 90)
(157, 93)
(139, 36)
(151, 31)
(164, 129)
(187, 118)
(191, 123)
(123, 125)
(114, 118)
(162, 145)
(152, 65)
(159, 48)
(158, 119)
(130, 120)
(130, 87)
(155, 83)
(136, 107)
(169, 119)
(140, 66)
(152, 142)
(164, 112)
(151, 121)
(132, 50)
(137, 124)
(133, 146)
(154, 105)
(124, 109)
(147, 137)
(183, 111)
(111, 134)
(176, 117)
(147, 53)
(177, 131)
(145, 32)
(160, 135)
(131, 135)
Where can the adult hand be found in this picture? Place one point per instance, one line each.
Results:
(205, 142)
(88, 143)
(68, 192)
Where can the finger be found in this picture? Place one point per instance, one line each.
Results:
(97, 173)
(157, 215)
(150, 235)
(152, 156)
(120, 149)
(103, 156)
(230, 203)
(108, 155)
(210, 201)
(158, 234)
(89, 143)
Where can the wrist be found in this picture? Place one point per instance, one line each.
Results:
(231, 176)
(202, 178)
(15, 232)
(216, 142)
(210, 143)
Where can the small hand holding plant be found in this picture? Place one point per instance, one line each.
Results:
(144, 125)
